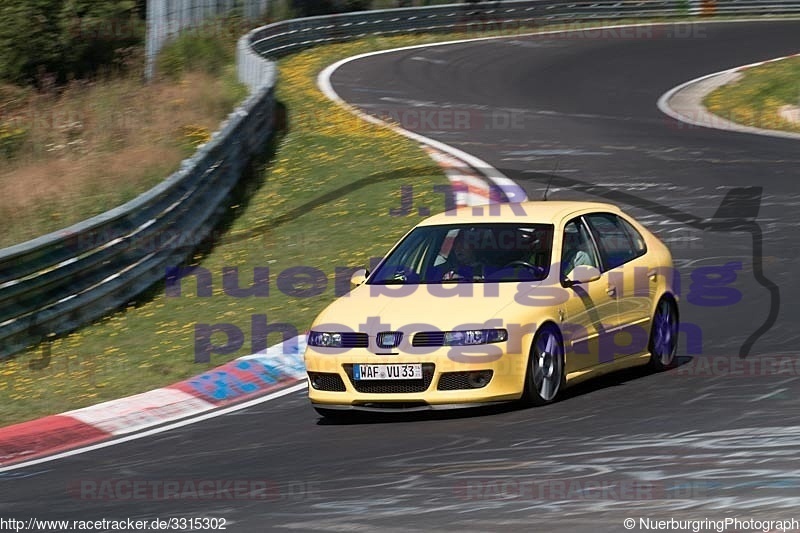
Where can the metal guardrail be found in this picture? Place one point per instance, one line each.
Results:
(60, 281)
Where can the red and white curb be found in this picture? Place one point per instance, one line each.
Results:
(469, 188)
(248, 378)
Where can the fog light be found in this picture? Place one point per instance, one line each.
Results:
(478, 380)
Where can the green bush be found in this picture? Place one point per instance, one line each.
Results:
(29, 39)
(96, 33)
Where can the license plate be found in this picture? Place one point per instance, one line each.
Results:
(395, 371)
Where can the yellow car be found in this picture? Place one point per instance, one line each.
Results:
(496, 303)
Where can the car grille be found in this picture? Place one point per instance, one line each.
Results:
(393, 386)
(355, 340)
(428, 338)
(461, 380)
(326, 381)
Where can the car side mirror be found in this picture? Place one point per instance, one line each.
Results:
(583, 274)
(359, 277)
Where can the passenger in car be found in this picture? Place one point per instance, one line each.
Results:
(575, 251)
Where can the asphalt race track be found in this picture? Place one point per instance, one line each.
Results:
(715, 438)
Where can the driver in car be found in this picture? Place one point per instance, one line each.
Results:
(463, 261)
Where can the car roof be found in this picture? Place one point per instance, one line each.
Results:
(542, 212)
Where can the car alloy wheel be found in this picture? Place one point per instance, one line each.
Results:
(664, 335)
(545, 374)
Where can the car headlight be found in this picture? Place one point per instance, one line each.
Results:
(474, 336)
(328, 340)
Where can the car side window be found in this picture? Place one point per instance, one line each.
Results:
(613, 240)
(639, 246)
(577, 248)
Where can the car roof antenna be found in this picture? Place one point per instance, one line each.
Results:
(550, 181)
(544, 196)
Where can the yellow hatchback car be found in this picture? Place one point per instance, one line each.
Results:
(496, 303)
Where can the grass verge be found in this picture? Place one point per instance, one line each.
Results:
(757, 97)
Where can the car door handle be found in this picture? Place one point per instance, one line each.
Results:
(611, 291)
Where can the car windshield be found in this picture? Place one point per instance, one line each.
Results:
(472, 253)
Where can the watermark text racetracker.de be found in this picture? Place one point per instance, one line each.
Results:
(737, 367)
(600, 488)
(133, 490)
(174, 523)
(707, 524)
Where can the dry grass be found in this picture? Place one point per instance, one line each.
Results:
(92, 146)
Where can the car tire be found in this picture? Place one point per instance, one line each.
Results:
(663, 342)
(545, 378)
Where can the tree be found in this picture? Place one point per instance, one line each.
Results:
(64, 38)
(30, 43)
(93, 31)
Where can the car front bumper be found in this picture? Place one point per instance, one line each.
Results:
(449, 379)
